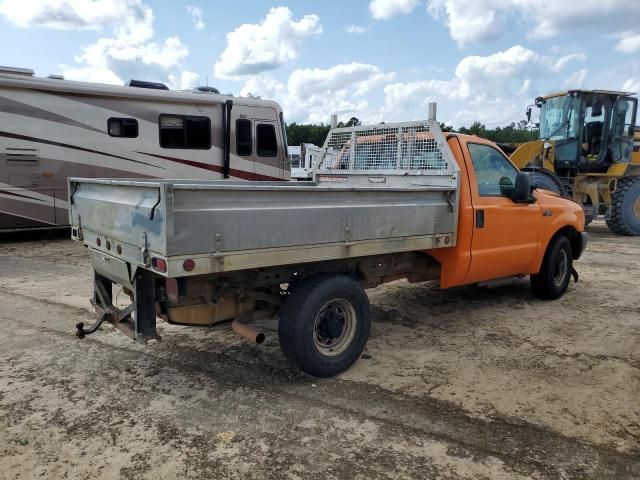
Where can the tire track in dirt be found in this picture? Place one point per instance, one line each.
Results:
(526, 448)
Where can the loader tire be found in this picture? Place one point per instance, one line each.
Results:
(624, 215)
(324, 324)
(546, 181)
(553, 278)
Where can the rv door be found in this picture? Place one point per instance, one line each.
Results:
(243, 148)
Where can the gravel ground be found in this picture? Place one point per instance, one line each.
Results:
(464, 383)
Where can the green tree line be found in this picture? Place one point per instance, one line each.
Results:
(299, 133)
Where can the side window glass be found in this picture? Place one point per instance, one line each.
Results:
(243, 137)
(185, 131)
(267, 140)
(492, 170)
(122, 127)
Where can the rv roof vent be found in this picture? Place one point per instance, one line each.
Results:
(17, 71)
(56, 77)
(207, 89)
(143, 84)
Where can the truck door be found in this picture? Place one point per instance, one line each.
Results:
(505, 234)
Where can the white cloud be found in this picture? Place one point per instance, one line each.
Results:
(313, 94)
(256, 48)
(576, 79)
(184, 80)
(386, 9)
(71, 14)
(196, 16)
(480, 20)
(356, 29)
(130, 53)
(631, 85)
(491, 89)
(628, 42)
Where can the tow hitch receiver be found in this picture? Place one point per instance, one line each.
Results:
(137, 321)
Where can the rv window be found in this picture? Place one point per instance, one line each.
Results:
(243, 137)
(123, 127)
(267, 141)
(185, 131)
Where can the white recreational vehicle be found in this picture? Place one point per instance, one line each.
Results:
(52, 129)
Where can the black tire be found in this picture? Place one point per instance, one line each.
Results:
(546, 181)
(324, 324)
(624, 216)
(553, 278)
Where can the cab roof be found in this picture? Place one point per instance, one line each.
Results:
(578, 91)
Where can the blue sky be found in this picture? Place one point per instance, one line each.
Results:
(376, 59)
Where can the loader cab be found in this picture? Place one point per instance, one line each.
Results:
(589, 130)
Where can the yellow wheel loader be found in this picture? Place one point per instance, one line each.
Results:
(589, 150)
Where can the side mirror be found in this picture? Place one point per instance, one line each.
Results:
(529, 114)
(522, 189)
(507, 188)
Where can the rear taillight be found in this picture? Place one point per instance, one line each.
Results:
(188, 265)
(159, 264)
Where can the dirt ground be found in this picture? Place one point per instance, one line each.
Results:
(466, 383)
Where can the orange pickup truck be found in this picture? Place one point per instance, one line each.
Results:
(388, 202)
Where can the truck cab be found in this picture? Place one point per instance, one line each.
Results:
(500, 233)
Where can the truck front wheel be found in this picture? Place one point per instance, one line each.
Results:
(324, 324)
(553, 278)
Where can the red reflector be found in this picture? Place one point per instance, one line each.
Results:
(188, 265)
(173, 292)
(159, 264)
(98, 241)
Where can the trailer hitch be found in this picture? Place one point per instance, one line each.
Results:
(137, 321)
(101, 302)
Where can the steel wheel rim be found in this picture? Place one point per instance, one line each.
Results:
(334, 327)
(560, 268)
(636, 208)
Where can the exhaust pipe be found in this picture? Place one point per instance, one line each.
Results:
(239, 325)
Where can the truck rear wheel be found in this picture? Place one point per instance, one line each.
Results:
(324, 324)
(553, 278)
(624, 216)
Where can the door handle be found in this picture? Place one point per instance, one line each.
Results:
(479, 218)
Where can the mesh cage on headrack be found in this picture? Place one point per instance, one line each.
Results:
(399, 148)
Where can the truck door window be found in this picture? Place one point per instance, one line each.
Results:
(185, 131)
(492, 169)
(243, 137)
(267, 140)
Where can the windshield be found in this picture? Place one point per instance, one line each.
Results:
(559, 118)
